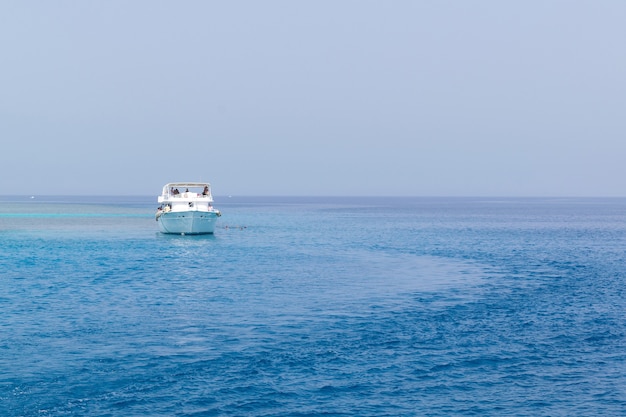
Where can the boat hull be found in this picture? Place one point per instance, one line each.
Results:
(187, 222)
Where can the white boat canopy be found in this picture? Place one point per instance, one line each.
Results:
(194, 187)
(171, 185)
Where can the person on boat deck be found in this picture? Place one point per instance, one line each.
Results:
(175, 192)
(206, 190)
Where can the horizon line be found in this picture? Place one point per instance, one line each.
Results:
(320, 196)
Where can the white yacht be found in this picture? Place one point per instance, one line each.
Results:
(186, 208)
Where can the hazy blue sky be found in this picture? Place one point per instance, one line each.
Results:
(425, 98)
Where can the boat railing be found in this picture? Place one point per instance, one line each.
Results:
(187, 195)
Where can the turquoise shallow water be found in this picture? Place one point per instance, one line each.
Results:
(314, 306)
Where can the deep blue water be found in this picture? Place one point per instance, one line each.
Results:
(314, 306)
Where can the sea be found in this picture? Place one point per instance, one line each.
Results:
(314, 306)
